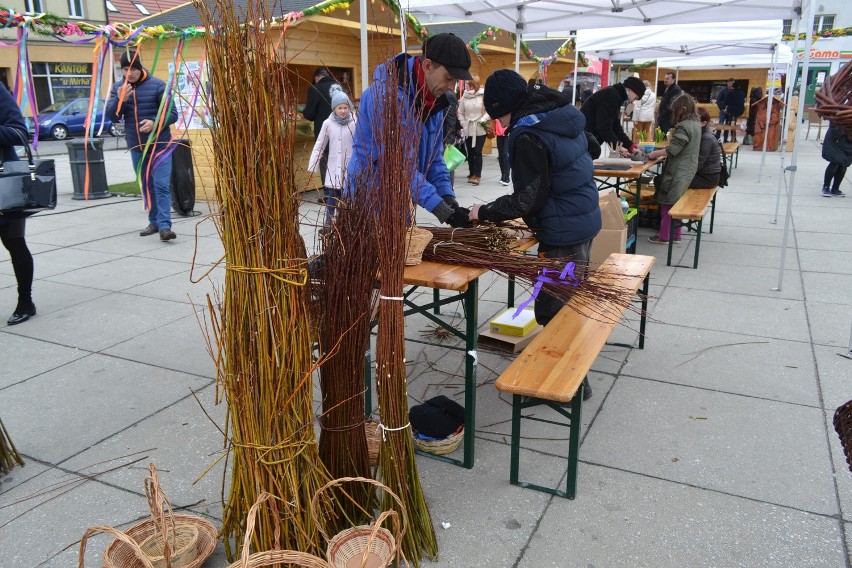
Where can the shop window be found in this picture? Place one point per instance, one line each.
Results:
(33, 6)
(823, 22)
(75, 8)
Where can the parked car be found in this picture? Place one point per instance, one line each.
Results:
(67, 118)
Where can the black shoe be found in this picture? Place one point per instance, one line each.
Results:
(167, 235)
(22, 314)
(587, 389)
(149, 230)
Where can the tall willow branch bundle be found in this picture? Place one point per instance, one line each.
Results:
(396, 130)
(342, 307)
(262, 332)
(9, 456)
(494, 247)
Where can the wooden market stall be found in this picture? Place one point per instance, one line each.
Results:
(328, 35)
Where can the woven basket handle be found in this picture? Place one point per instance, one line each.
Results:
(279, 557)
(340, 481)
(251, 520)
(118, 535)
(156, 500)
(397, 537)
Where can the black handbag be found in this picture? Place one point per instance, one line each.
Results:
(27, 187)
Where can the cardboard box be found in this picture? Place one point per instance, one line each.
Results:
(510, 343)
(520, 326)
(613, 235)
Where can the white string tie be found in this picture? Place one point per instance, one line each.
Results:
(386, 429)
(472, 353)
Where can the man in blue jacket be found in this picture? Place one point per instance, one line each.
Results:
(423, 82)
(731, 103)
(136, 100)
(552, 174)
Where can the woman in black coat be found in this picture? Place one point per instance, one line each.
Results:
(13, 227)
(837, 149)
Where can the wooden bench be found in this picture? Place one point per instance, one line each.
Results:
(689, 212)
(551, 369)
(732, 150)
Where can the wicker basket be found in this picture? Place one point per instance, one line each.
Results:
(163, 527)
(183, 541)
(843, 426)
(271, 557)
(415, 243)
(440, 447)
(374, 440)
(363, 546)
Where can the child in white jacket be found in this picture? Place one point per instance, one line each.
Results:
(336, 132)
(643, 114)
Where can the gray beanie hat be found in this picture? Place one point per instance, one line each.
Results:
(338, 97)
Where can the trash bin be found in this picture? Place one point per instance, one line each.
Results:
(91, 157)
(183, 179)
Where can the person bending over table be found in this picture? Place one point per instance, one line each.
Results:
(680, 166)
(603, 109)
(552, 175)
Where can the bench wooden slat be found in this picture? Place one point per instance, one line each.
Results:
(730, 147)
(570, 343)
(692, 204)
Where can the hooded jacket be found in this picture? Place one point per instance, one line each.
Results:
(552, 172)
(643, 109)
(472, 114)
(603, 115)
(709, 161)
(142, 104)
(431, 181)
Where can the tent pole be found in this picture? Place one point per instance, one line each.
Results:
(769, 114)
(518, 51)
(403, 30)
(576, 63)
(365, 60)
(794, 160)
(791, 80)
(656, 82)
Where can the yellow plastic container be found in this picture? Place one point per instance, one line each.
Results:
(519, 326)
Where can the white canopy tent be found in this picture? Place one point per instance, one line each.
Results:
(743, 61)
(654, 42)
(523, 16)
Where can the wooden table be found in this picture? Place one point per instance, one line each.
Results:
(464, 282)
(602, 176)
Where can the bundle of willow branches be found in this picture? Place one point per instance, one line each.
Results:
(9, 456)
(264, 343)
(342, 298)
(396, 131)
(493, 247)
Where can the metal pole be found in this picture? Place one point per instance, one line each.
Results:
(519, 31)
(848, 353)
(791, 81)
(769, 115)
(365, 61)
(576, 63)
(794, 160)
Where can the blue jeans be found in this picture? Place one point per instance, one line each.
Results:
(160, 177)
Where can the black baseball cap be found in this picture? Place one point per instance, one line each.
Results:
(450, 51)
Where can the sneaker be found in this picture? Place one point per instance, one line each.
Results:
(149, 230)
(657, 240)
(587, 389)
(474, 180)
(826, 192)
(837, 193)
(167, 235)
(504, 181)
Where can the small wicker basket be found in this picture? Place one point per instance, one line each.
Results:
(363, 546)
(440, 447)
(415, 243)
(160, 534)
(271, 557)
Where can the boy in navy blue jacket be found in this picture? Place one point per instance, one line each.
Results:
(136, 100)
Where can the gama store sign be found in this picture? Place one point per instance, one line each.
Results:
(825, 54)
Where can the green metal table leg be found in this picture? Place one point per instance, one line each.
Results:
(642, 319)
(516, 439)
(697, 244)
(671, 240)
(368, 385)
(510, 303)
(713, 211)
(436, 296)
(638, 193)
(574, 443)
(471, 326)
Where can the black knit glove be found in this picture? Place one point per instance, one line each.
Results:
(451, 201)
(459, 219)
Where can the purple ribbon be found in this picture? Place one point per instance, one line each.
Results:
(566, 277)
